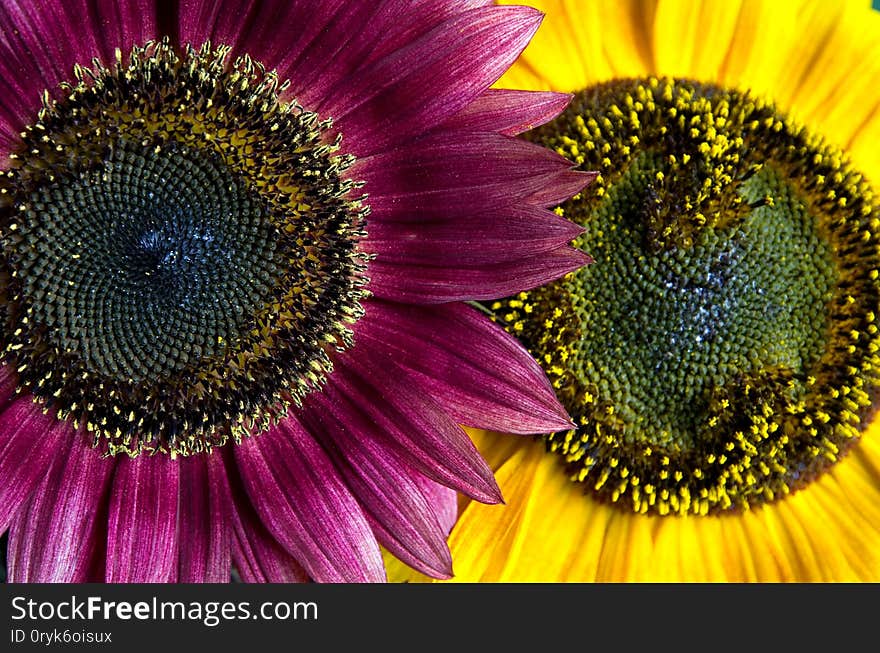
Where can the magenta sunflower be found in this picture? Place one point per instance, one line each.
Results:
(237, 242)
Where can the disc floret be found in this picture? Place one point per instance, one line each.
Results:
(181, 249)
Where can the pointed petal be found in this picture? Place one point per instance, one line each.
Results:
(306, 506)
(54, 536)
(401, 517)
(544, 510)
(426, 284)
(204, 553)
(315, 45)
(371, 395)
(443, 501)
(498, 235)
(509, 112)
(494, 542)
(420, 85)
(26, 434)
(142, 526)
(462, 173)
(443, 178)
(404, 22)
(255, 553)
(482, 375)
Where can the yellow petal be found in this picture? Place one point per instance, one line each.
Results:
(832, 78)
(680, 37)
(582, 43)
(764, 34)
(486, 535)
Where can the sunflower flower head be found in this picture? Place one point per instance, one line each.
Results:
(722, 352)
(237, 242)
(719, 357)
(230, 232)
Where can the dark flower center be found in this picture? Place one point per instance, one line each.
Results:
(180, 251)
(148, 262)
(722, 350)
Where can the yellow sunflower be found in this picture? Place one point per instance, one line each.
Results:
(769, 515)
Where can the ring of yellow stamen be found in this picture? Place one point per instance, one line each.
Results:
(180, 250)
(722, 350)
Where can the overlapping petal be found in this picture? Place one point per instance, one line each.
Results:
(482, 384)
(446, 174)
(401, 516)
(509, 112)
(142, 525)
(307, 507)
(203, 521)
(411, 422)
(257, 556)
(27, 435)
(56, 534)
(448, 67)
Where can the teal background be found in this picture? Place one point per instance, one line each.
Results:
(876, 4)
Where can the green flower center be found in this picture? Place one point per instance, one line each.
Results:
(152, 260)
(179, 251)
(722, 350)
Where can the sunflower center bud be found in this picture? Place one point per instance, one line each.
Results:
(721, 351)
(180, 249)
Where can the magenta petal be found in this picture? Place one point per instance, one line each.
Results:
(496, 236)
(509, 112)
(114, 23)
(29, 443)
(227, 21)
(379, 402)
(260, 559)
(313, 44)
(420, 85)
(305, 505)
(443, 501)
(55, 534)
(404, 21)
(401, 517)
(142, 525)
(316, 45)
(257, 556)
(481, 374)
(463, 173)
(204, 550)
(432, 284)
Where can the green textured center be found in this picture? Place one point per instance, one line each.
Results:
(665, 327)
(148, 262)
(721, 351)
